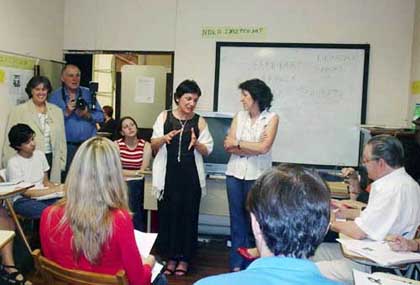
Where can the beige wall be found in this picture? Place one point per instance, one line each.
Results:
(141, 25)
(387, 25)
(415, 69)
(32, 27)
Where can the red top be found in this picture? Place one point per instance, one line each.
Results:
(131, 159)
(120, 252)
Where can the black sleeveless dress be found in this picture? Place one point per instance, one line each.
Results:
(179, 208)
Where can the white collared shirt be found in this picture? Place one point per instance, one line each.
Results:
(393, 207)
(252, 166)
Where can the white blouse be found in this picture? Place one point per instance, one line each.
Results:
(250, 167)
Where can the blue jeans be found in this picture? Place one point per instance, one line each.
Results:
(135, 199)
(240, 226)
(31, 208)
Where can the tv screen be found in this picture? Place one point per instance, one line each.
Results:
(218, 126)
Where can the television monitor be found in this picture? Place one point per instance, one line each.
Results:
(218, 124)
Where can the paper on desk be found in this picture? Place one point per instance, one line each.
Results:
(145, 243)
(362, 278)
(379, 251)
(50, 196)
(7, 187)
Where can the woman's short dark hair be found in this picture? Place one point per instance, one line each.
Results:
(186, 86)
(108, 110)
(292, 207)
(119, 127)
(35, 81)
(20, 134)
(259, 91)
(389, 148)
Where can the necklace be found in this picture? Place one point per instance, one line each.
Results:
(180, 138)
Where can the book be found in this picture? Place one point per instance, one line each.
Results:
(379, 252)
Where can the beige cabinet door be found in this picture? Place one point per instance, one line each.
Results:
(143, 90)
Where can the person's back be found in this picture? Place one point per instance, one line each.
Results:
(90, 229)
(289, 208)
(272, 271)
(119, 251)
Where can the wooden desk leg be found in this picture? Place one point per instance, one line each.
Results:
(19, 228)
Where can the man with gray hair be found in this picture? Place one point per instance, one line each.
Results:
(393, 207)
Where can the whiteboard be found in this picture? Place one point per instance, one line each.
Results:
(319, 92)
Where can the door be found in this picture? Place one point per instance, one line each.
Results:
(143, 94)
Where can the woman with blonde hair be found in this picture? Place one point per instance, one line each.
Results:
(90, 228)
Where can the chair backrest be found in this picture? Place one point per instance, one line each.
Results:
(52, 273)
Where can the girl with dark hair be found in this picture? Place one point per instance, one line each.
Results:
(135, 156)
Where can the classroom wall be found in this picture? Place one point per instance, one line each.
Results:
(32, 27)
(387, 25)
(141, 25)
(415, 69)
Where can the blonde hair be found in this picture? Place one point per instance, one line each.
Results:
(94, 187)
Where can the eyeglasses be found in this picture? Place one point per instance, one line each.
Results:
(366, 160)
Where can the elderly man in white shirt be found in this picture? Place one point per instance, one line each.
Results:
(393, 207)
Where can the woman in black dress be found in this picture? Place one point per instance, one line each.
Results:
(180, 139)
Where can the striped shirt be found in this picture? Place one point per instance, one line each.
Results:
(131, 159)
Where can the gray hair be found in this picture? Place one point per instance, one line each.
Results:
(389, 148)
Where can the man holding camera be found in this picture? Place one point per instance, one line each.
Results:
(80, 108)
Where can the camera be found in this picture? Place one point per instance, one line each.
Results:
(81, 103)
(93, 88)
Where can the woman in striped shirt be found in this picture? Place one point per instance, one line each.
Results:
(135, 156)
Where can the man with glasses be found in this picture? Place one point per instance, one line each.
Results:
(393, 207)
(81, 113)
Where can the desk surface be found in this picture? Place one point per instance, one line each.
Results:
(5, 237)
(13, 190)
(396, 277)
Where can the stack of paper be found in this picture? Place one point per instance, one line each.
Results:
(380, 252)
(145, 243)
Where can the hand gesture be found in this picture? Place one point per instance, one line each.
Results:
(193, 139)
(349, 173)
(83, 113)
(169, 136)
(150, 260)
(71, 105)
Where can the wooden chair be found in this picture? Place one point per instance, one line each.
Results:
(52, 273)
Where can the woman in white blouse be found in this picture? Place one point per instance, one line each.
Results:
(249, 142)
(48, 123)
